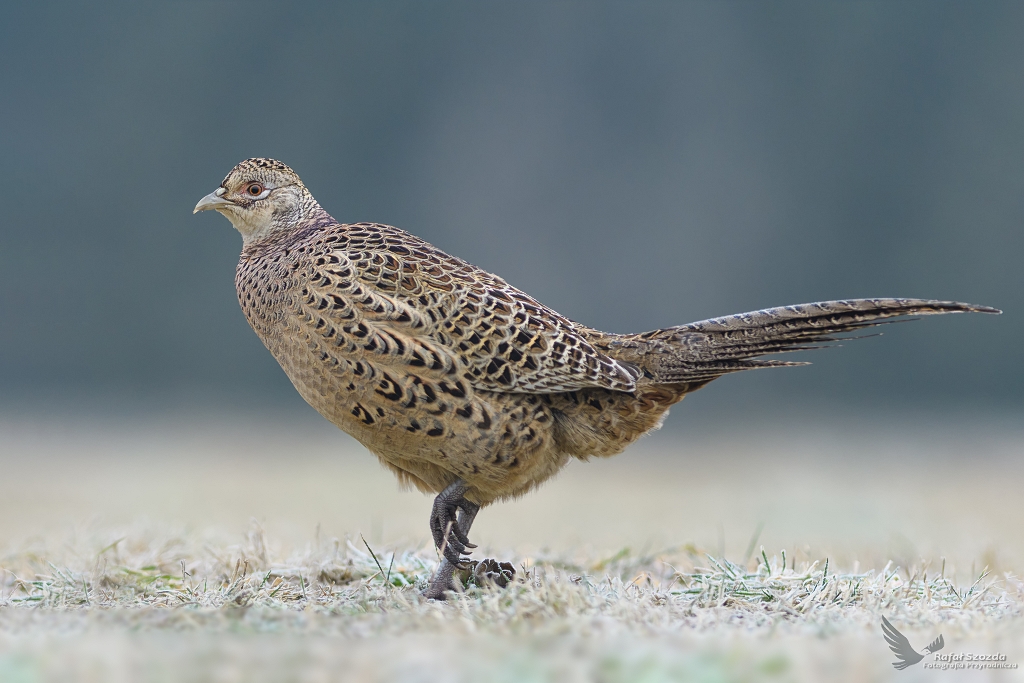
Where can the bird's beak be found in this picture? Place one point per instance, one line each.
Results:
(214, 201)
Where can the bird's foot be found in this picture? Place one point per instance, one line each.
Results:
(448, 527)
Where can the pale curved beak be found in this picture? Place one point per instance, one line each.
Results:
(214, 201)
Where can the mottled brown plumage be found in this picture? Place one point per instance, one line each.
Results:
(460, 383)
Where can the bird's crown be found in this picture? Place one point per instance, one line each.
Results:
(261, 168)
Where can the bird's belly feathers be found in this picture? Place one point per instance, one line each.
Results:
(500, 445)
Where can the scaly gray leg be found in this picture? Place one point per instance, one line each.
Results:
(454, 514)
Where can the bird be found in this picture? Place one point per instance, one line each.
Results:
(900, 646)
(461, 384)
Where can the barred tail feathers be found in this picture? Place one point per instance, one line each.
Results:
(701, 351)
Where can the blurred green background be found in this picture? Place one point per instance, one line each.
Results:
(633, 165)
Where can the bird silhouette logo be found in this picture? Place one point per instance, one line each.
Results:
(899, 644)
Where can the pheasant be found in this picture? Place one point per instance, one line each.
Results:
(461, 384)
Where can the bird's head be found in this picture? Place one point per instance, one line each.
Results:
(261, 197)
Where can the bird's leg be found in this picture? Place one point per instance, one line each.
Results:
(449, 536)
(444, 581)
(450, 521)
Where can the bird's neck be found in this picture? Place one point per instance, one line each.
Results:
(307, 214)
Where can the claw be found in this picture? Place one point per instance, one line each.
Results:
(463, 539)
(451, 548)
(443, 526)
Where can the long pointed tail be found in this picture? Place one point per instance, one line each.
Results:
(702, 351)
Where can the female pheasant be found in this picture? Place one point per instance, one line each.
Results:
(460, 383)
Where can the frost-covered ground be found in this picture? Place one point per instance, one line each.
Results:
(221, 550)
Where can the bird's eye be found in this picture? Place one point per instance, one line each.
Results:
(254, 189)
